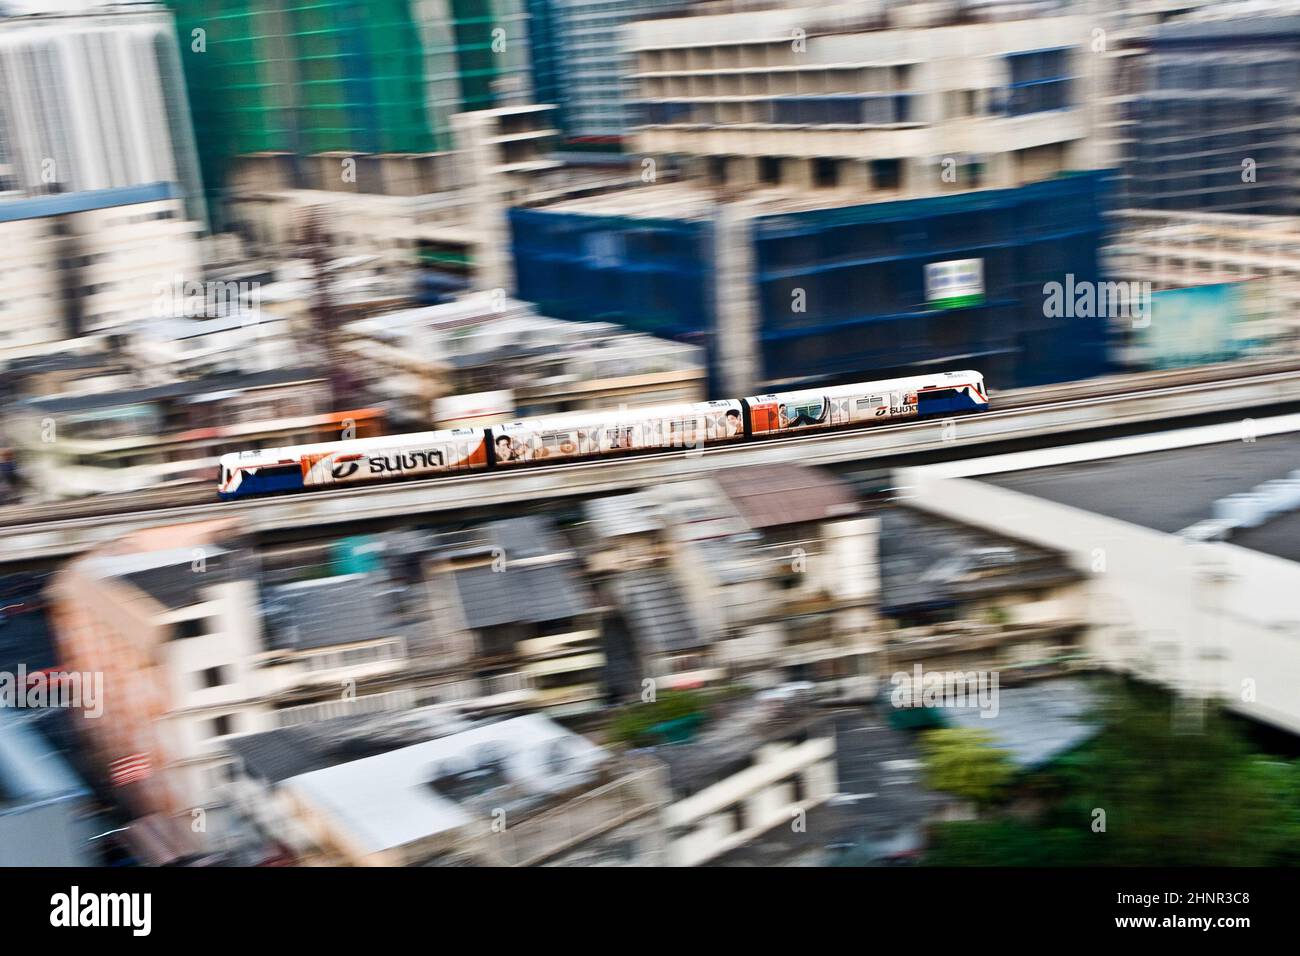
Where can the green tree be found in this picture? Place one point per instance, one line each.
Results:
(635, 723)
(1176, 793)
(965, 763)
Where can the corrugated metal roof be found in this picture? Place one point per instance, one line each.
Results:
(619, 515)
(655, 611)
(520, 593)
(327, 611)
(770, 496)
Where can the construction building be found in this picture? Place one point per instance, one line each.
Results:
(844, 165)
(381, 77)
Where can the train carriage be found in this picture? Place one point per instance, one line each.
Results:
(584, 434)
(386, 458)
(943, 393)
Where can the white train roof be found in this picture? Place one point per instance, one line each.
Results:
(967, 376)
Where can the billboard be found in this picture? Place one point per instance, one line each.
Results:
(954, 283)
(1194, 326)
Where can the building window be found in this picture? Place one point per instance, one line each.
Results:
(769, 170)
(826, 173)
(213, 677)
(886, 173)
(191, 628)
(222, 726)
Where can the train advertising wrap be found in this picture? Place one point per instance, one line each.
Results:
(577, 435)
(594, 434)
(441, 452)
(843, 405)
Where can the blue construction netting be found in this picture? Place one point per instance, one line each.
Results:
(861, 270)
(651, 275)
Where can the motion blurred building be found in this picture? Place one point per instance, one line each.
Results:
(510, 597)
(345, 77)
(753, 571)
(134, 437)
(582, 64)
(1211, 114)
(485, 358)
(1190, 587)
(515, 792)
(848, 165)
(1225, 286)
(196, 647)
(93, 99)
(86, 262)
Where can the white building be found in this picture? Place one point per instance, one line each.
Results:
(90, 261)
(885, 100)
(94, 99)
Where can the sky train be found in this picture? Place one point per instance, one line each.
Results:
(596, 434)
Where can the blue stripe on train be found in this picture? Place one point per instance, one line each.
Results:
(946, 403)
(266, 481)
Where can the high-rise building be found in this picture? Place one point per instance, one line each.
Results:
(1211, 116)
(93, 100)
(344, 76)
(591, 62)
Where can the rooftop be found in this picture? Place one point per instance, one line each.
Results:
(168, 575)
(1035, 723)
(769, 496)
(656, 613)
(277, 755)
(399, 797)
(62, 204)
(727, 743)
(1174, 489)
(928, 562)
(618, 515)
(323, 612)
(211, 385)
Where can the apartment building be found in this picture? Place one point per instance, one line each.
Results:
(508, 600)
(91, 261)
(196, 649)
(93, 99)
(765, 573)
(881, 100)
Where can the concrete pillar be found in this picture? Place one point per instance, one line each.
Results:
(743, 171)
(797, 173)
(855, 174)
(735, 350)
